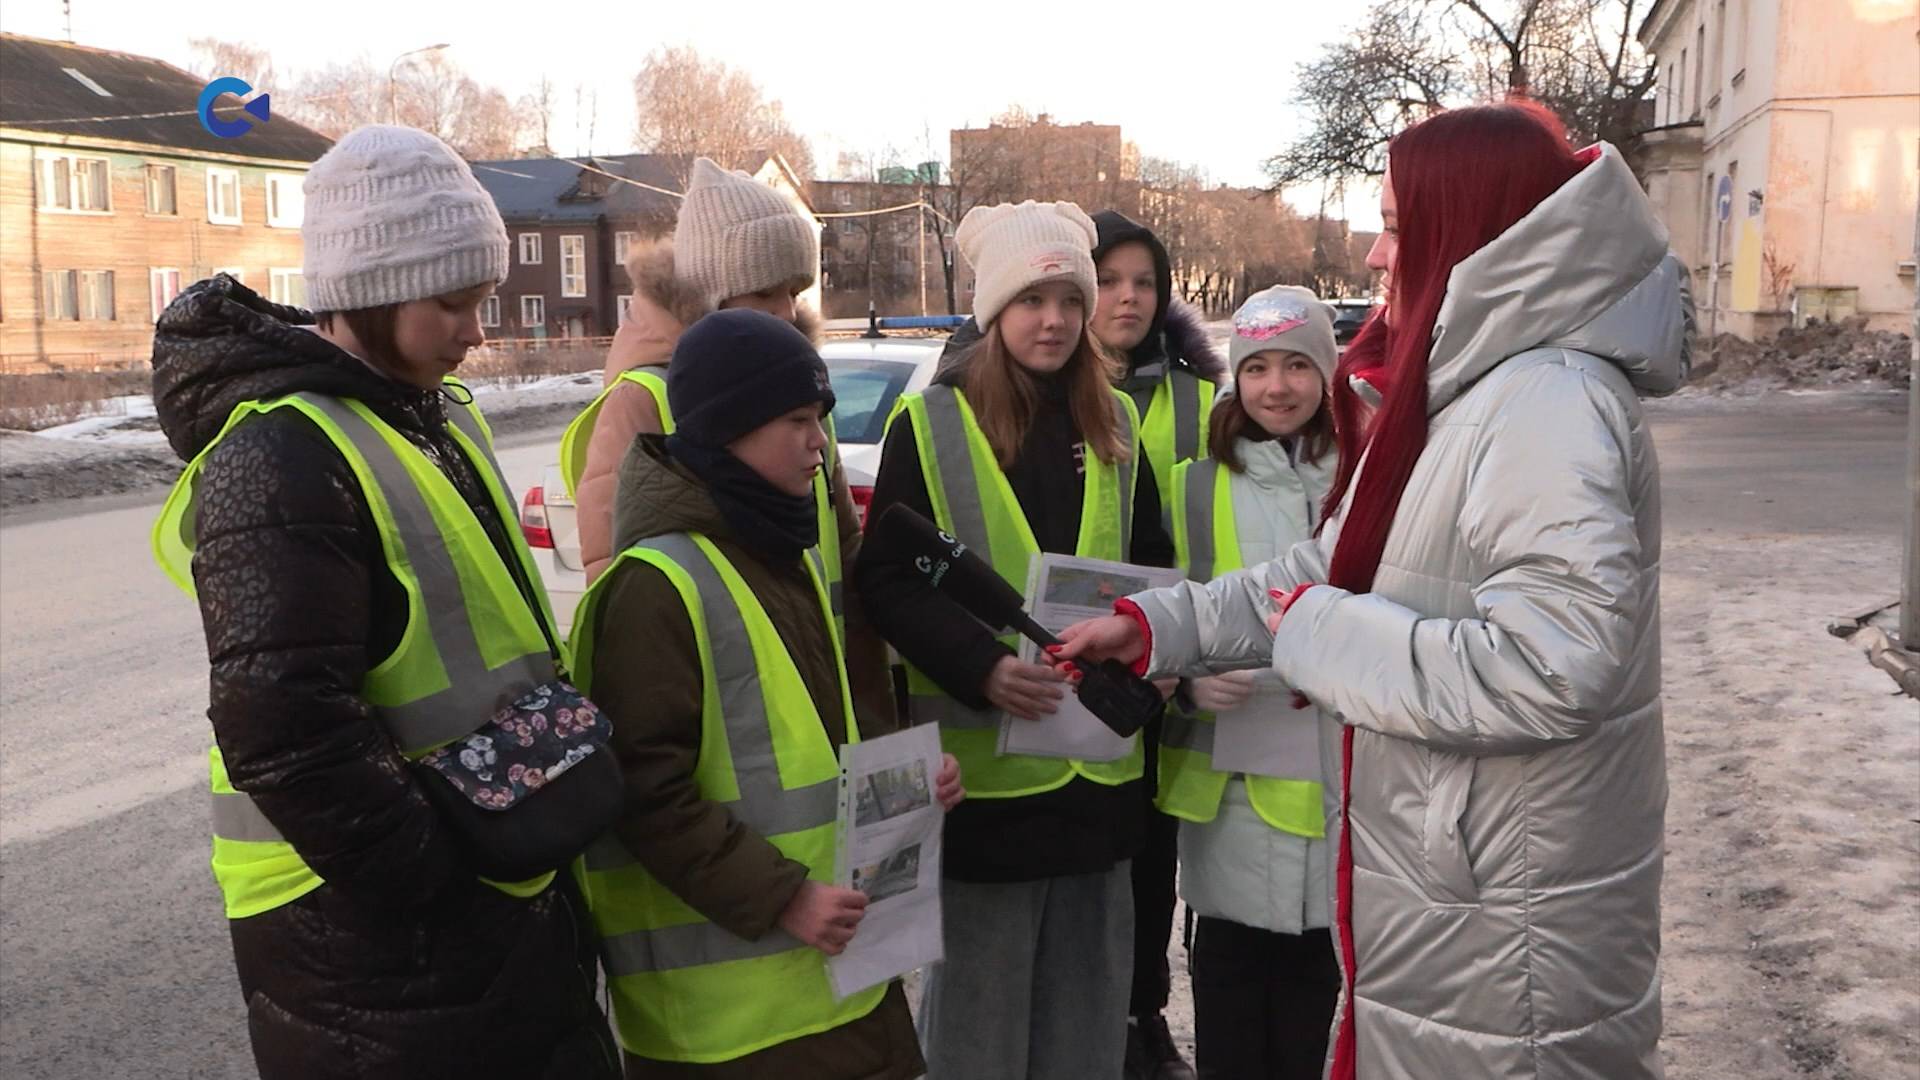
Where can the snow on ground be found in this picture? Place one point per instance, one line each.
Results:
(126, 451)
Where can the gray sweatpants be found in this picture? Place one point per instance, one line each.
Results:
(1035, 982)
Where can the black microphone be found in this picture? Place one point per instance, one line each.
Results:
(1110, 690)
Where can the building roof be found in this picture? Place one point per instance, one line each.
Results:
(556, 189)
(145, 101)
(553, 189)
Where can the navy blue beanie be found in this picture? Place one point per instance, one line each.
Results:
(734, 370)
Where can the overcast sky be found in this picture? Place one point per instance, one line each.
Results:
(1207, 83)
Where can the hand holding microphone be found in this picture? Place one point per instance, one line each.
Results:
(1109, 690)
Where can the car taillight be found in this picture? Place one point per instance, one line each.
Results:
(533, 518)
(862, 497)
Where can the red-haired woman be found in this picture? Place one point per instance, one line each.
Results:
(1481, 615)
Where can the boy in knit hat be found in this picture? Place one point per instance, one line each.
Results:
(710, 638)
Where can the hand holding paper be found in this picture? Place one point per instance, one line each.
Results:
(824, 916)
(946, 786)
(1220, 693)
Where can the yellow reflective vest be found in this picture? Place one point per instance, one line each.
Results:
(683, 988)
(471, 642)
(1206, 546)
(973, 502)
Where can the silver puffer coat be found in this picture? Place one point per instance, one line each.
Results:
(1502, 681)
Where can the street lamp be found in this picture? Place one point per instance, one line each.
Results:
(391, 68)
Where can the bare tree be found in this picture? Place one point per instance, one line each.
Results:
(338, 98)
(691, 105)
(487, 125)
(537, 108)
(213, 59)
(1414, 57)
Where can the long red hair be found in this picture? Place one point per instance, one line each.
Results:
(1460, 179)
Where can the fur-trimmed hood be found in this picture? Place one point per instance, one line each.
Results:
(1188, 345)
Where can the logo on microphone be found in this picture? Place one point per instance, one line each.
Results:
(934, 571)
(261, 107)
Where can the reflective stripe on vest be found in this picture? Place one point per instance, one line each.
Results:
(438, 685)
(1176, 423)
(1206, 544)
(826, 557)
(683, 988)
(973, 501)
(573, 443)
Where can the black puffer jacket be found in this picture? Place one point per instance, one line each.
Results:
(403, 964)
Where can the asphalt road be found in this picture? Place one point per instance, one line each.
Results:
(113, 958)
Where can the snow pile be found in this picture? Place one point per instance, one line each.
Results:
(1820, 354)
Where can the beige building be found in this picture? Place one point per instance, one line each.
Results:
(114, 197)
(1785, 156)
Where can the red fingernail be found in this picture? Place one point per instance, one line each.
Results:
(1053, 648)
(1276, 594)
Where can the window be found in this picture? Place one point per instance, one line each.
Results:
(163, 284)
(529, 249)
(57, 298)
(533, 312)
(1699, 65)
(162, 198)
(1743, 21)
(1680, 89)
(490, 311)
(287, 286)
(625, 304)
(1668, 95)
(623, 246)
(223, 196)
(77, 294)
(1719, 43)
(74, 183)
(573, 266)
(96, 294)
(286, 202)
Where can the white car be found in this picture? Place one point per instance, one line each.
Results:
(869, 374)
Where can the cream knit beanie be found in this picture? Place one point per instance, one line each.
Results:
(1284, 318)
(738, 236)
(393, 214)
(1013, 248)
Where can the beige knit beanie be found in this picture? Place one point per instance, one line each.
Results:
(1284, 318)
(393, 214)
(1013, 248)
(738, 236)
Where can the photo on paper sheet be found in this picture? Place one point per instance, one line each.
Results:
(1090, 588)
(888, 793)
(896, 874)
